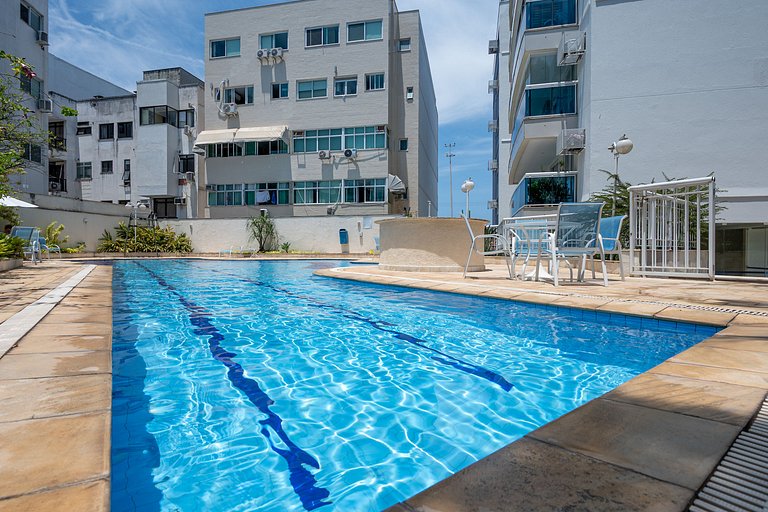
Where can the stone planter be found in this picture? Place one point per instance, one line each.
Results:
(10, 264)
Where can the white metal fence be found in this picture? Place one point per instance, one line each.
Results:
(672, 228)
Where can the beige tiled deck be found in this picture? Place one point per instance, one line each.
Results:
(647, 445)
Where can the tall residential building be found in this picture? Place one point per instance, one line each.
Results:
(686, 81)
(139, 147)
(318, 107)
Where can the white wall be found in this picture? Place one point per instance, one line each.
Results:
(311, 234)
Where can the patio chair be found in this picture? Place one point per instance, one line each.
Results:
(527, 237)
(48, 249)
(499, 246)
(576, 235)
(610, 229)
(31, 236)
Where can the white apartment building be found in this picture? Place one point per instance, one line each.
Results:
(139, 147)
(318, 107)
(686, 81)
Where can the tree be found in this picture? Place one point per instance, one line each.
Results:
(262, 229)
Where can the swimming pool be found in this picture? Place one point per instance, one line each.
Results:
(254, 385)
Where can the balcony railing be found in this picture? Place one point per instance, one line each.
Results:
(544, 188)
(550, 13)
(544, 101)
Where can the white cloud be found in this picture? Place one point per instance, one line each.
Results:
(457, 34)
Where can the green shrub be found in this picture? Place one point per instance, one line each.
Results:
(53, 234)
(262, 229)
(11, 246)
(145, 239)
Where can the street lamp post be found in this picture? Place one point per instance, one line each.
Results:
(450, 154)
(467, 187)
(620, 147)
(134, 214)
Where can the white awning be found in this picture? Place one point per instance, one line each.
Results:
(261, 134)
(215, 137)
(15, 203)
(395, 184)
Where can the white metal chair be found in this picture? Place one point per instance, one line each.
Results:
(577, 234)
(610, 229)
(46, 248)
(528, 238)
(31, 236)
(499, 246)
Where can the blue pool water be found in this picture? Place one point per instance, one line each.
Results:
(250, 385)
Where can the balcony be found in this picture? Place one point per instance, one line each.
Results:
(544, 189)
(549, 13)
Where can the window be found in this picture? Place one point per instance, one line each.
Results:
(239, 95)
(32, 85)
(187, 117)
(336, 139)
(262, 148)
(126, 172)
(549, 13)
(106, 167)
(186, 163)
(31, 17)
(158, 115)
(226, 195)
(403, 144)
(280, 90)
(33, 153)
(83, 170)
(58, 140)
(106, 131)
(547, 101)
(374, 82)
(316, 192)
(83, 128)
(164, 207)
(543, 69)
(125, 130)
(322, 36)
(409, 93)
(267, 193)
(225, 47)
(312, 89)
(276, 40)
(404, 45)
(364, 31)
(345, 86)
(365, 191)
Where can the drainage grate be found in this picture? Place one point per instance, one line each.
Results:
(740, 482)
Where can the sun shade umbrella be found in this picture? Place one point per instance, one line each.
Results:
(15, 203)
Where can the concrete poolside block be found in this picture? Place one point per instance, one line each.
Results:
(713, 373)
(39, 398)
(671, 447)
(529, 475)
(54, 364)
(699, 316)
(53, 452)
(89, 497)
(724, 358)
(727, 403)
(36, 343)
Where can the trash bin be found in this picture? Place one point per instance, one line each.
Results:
(343, 237)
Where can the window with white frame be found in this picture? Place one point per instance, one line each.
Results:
(84, 170)
(186, 163)
(225, 47)
(226, 195)
(280, 90)
(403, 144)
(106, 131)
(187, 117)
(364, 31)
(316, 192)
(336, 139)
(345, 86)
(365, 191)
(125, 130)
(31, 17)
(307, 89)
(404, 45)
(322, 36)
(261, 148)
(374, 82)
(267, 193)
(276, 40)
(242, 95)
(106, 167)
(32, 85)
(33, 153)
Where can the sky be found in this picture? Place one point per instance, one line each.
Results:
(118, 39)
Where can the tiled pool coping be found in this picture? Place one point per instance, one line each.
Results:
(649, 444)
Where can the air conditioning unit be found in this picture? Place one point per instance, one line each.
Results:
(191, 176)
(180, 200)
(324, 154)
(493, 46)
(229, 109)
(276, 53)
(493, 165)
(42, 38)
(571, 140)
(350, 153)
(492, 85)
(493, 125)
(493, 204)
(54, 186)
(571, 49)
(44, 105)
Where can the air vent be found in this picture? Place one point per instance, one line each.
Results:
(493, 46)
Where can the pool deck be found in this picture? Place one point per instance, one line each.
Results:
(647, 445)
